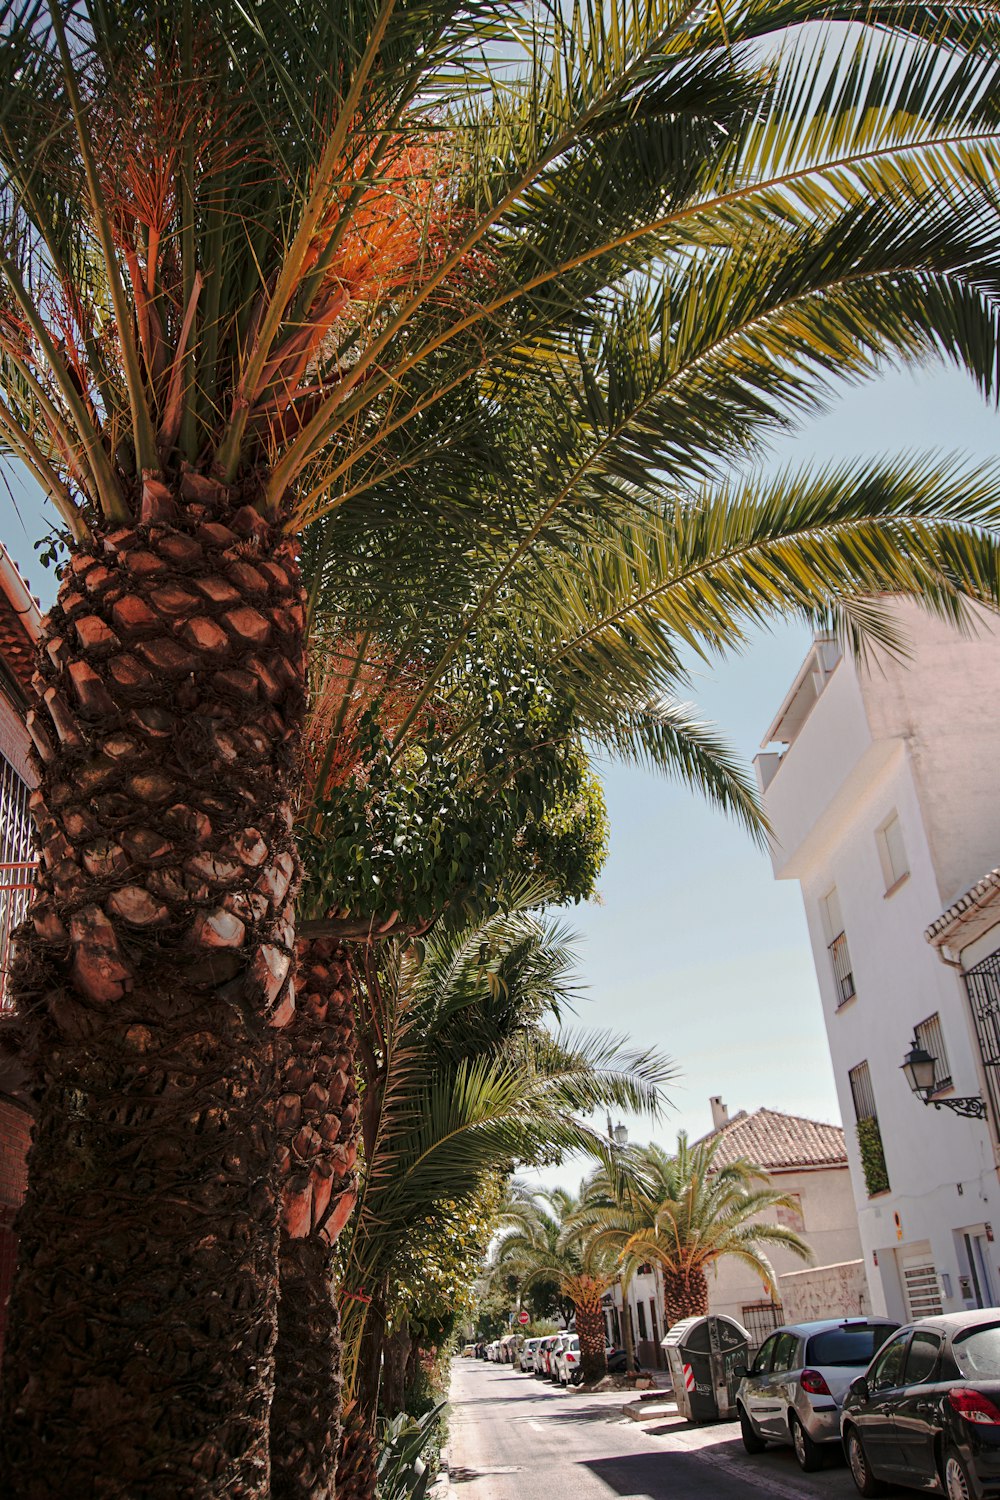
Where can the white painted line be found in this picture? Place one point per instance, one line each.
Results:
(536, 1426)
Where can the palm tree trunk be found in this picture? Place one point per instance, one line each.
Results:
(152, 976)
(588, 1294)
(685, 1294)
(317, 1119)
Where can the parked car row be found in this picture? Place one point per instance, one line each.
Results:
(917, 1406)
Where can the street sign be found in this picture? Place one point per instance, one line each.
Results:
(523, 1317)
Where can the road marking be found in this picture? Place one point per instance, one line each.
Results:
(536, 1425)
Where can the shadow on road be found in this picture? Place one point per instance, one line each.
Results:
(678, 1476)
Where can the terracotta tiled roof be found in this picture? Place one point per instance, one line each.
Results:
(774, 1141)
(982, 894)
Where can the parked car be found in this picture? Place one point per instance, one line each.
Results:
(528, 1355)
(544, 1356)
(469, 1352)
(793, 1391)
(926, 1413)
(567, 1358)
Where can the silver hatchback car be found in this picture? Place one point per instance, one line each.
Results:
(795, 1387)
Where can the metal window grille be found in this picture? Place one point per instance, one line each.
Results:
(930, 1036)
(761, 1318)
(840, 957)
(983, 986)
(17, 861)
(862, 1092)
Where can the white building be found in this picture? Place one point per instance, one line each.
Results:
(806, 1161)
(883, 807)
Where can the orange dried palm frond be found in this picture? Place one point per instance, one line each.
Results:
(357, 678)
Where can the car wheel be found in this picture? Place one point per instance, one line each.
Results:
(808, 1453)
(957, 1483)
(752, 1442)
(861, 1473)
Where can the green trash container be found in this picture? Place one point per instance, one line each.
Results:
(703, 1355)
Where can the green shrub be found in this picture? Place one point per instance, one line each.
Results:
(872, 1157)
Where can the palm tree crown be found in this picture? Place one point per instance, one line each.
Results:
(685, 1212)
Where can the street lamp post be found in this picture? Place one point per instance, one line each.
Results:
(618, 1138)
(918, 1069)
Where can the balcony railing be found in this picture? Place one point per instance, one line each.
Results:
(840, 957)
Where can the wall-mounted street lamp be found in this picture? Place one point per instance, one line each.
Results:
(918, 1068)
(617, 1134)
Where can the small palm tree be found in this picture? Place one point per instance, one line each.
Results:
(543, 1242)
(685, 1213)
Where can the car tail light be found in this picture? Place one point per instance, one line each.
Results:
(974, 1407)
(814, 1383)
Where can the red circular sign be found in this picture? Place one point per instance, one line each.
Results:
(523, 1317)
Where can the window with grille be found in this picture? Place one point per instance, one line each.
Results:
(983, 986)
(761, 1318)
(892, 852)
(862, 1092)
(930, 1036)
(17, 861)
(840, 954)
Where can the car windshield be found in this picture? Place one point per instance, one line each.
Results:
(977, 1353)
(846, 1346)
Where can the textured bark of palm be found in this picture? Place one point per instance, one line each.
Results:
(685, 1295)
(357, 1476)
(152, 975)
(305, 1414)
(590, 1328)
(317, 1123)
(357, 1472)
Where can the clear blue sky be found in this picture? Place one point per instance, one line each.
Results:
(695, 947)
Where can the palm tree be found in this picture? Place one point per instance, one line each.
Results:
(685, 1212)
(543, 1243)
(246, 254)
(460, 1080)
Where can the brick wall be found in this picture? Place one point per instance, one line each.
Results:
(15, 1127)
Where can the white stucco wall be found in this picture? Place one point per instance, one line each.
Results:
(930, 755)
(826, 1292)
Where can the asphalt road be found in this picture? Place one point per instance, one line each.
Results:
(512, 1436)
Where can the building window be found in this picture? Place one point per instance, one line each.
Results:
(983, 986)
(642, 1320)
(17, 861)
(930, 1036)
(892, 852)
(836, 939)
(869, 1135)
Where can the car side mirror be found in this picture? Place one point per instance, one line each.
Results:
(859, 1387)
(741, 1371)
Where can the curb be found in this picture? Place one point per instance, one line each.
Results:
(442, 1488)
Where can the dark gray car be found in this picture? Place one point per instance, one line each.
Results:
(795, 1387)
